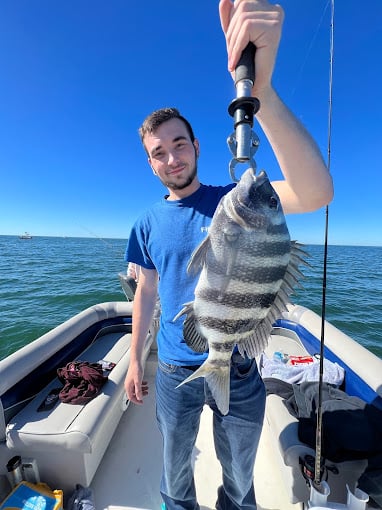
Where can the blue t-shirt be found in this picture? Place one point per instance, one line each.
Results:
(163, 238)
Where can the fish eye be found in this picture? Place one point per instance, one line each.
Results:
(273, 204)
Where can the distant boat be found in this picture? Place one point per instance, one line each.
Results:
(26, 235)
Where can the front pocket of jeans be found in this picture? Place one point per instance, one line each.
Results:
(166, 367)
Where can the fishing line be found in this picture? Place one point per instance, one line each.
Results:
(299, 74)
(109, 245)
(317, 469)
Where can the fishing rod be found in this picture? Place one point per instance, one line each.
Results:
(243, 142)
(318, 462)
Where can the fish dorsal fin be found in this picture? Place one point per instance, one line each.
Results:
(198, 256)
(192, 336)
(258, 339)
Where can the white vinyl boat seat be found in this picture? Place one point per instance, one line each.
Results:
(76, 436)
(63, 425)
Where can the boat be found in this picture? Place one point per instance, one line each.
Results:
(26, 235)
(115, 448)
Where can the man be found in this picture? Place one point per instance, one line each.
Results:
(162, 241)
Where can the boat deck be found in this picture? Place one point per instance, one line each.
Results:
(129, 474)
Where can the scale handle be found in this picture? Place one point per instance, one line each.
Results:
(245, 69)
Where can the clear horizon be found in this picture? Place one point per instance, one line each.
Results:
(125, 239)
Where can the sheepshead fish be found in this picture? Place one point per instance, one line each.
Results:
(249, 267)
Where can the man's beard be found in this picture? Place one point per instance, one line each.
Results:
(178, 186)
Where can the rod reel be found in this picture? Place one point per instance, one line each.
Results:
(308, 467)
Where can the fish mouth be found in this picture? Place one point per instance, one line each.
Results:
(242, 209)
(250, 182)
(241, 203)
(258, 179)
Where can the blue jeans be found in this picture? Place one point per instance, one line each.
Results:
(236, 435)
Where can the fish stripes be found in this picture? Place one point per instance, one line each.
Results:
(222, 347)
(235, 300)
(248, 268)
(228, 326)
(246, 273)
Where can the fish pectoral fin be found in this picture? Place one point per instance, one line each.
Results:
(231, 235)
(218, 380)
(230, 267)
(198, 256)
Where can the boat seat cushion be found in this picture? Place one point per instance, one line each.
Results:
(285, 427)
(70, 426)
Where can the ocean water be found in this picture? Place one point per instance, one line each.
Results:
(46, 280)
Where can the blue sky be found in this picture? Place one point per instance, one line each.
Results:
(78, 77)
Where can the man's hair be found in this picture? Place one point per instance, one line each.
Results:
(156, 118)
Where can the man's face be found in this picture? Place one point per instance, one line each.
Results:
(172, 155)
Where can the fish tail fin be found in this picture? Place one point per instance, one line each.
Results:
(218, 380)
(219, 383)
